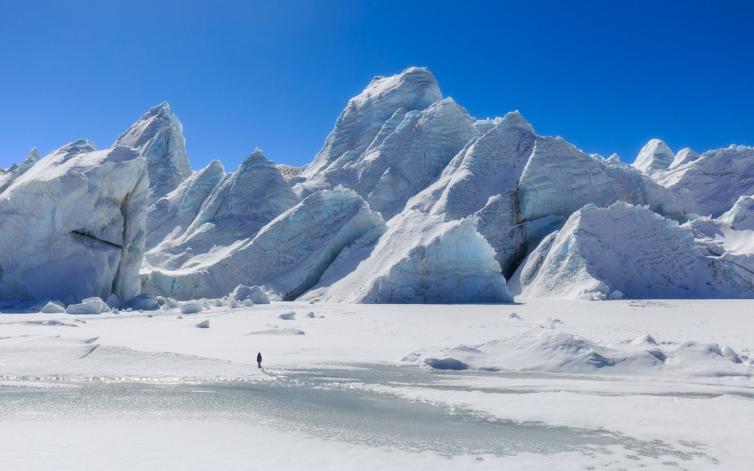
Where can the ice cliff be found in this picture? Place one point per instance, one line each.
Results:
(74, 226)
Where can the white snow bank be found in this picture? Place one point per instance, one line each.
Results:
(553, 351)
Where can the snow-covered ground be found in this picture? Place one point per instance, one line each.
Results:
(557, 384)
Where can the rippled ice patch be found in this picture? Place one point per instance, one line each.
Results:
(320, 403)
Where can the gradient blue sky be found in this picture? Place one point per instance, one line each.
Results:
(605, 75)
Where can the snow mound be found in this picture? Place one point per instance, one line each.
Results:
(91, 305)
(551, 351)
(624, 250)
(158, 136)
(287, 257)
(203, 324)
(287, 316)
(73, 226)
(422, 259)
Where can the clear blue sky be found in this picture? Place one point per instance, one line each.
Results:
(606, 75)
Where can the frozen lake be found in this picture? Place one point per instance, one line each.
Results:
(330, 404)
(557, 386)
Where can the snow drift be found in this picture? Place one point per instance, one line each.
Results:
(554, 351)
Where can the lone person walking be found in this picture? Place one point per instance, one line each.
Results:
(259, 360)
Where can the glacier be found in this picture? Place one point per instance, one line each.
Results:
(410, 200)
